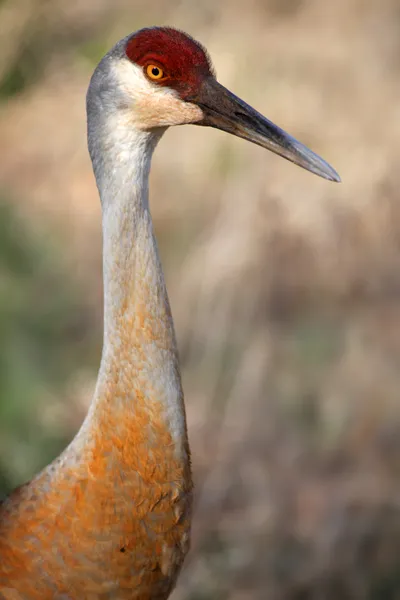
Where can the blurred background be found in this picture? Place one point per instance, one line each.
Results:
(285, 288)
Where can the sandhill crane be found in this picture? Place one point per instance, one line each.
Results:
(110, 517)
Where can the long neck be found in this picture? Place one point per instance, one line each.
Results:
(139, 374)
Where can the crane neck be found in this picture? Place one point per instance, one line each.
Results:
(139, 368)
(130, 254)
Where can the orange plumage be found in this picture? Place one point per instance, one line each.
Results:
(111, 521)
(110, 518)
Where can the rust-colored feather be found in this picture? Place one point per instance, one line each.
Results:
(110, 518)
(114, 526)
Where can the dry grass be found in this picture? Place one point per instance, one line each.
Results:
(285, 288)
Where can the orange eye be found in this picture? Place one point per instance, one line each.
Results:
(154, 72)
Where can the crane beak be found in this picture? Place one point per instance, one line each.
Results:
(223, 110)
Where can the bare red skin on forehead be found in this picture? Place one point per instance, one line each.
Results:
(183, 60)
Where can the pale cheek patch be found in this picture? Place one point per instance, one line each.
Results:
(163, 110)
(151, 106)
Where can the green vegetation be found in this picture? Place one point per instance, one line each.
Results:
(284, 288)
(44, 336)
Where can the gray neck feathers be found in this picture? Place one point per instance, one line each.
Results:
(121, 154)
(139, 339)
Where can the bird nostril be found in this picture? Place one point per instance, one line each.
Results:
(247, 119)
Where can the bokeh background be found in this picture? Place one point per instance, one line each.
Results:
(285, 288)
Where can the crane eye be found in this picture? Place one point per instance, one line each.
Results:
(154, 72)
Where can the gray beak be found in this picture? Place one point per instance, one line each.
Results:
(223, 110)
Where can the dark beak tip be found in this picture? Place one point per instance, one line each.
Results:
(337, 179)
(227, 112)
(331, 176)
(334, 176)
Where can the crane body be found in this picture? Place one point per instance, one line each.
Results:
(110, 517)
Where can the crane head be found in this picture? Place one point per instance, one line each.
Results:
(168, 79)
